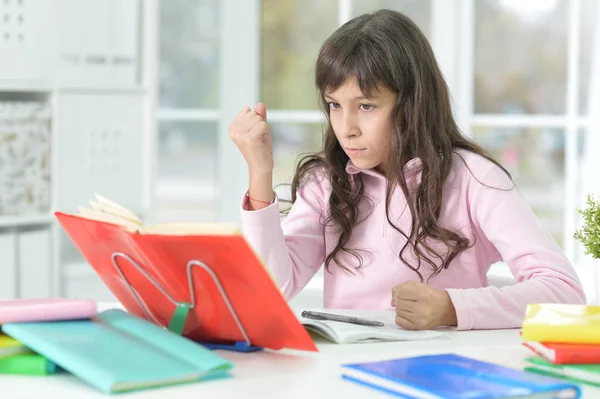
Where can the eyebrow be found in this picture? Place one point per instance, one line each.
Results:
(357, 98)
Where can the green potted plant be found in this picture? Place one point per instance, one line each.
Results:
(589, 236)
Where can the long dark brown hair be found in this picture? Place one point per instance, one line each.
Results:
(386, 49)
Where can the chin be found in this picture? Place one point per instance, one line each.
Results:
(364, 164)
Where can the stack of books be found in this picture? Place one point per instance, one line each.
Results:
(565, 340)
(16, 358)
(113, 351)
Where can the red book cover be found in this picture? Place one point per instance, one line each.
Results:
(164, 279)
(562, 353)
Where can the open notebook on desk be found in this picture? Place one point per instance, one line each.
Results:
(347, 333)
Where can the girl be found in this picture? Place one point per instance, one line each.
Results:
(403, 211)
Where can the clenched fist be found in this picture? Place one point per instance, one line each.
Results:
(421, 307)
(250, 133)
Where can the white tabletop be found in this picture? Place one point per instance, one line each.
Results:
(268, 374)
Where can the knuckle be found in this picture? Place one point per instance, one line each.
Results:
(399, 321)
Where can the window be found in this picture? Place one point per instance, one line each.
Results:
(520, 57)
(291, 34)
(185, 179)
(189, 54)
(520, 73)
(186, 174)
(588, 22)
(418, 10)
(531, 66)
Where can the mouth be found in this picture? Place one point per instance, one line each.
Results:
(354, 151)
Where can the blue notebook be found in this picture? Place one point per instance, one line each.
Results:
(455, 377)
(117, 351)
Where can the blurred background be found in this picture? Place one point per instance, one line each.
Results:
(132, 99)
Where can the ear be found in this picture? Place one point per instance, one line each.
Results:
(261, 110)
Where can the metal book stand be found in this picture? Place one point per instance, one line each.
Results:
(182, 308)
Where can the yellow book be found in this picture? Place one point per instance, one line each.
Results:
(562, 323)
(10, 347)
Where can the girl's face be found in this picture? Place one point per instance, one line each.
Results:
(363, 126)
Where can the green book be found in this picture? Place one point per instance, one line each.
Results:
(585, 373)
(27, 364)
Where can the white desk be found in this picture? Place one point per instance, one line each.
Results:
(268, 374)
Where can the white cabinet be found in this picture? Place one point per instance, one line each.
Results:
(98, 43)
(25, 262)
(100, 148)
(8, 265)
(34, 263)
(79, 62)
(27, 40)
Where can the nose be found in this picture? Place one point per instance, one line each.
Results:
(349, 125)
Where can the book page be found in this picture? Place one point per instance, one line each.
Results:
(104, 210)
(107, 206)
(344, 333)
(101, 216)
(193, 229)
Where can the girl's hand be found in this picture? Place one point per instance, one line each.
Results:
(250, 133)
(421, 307)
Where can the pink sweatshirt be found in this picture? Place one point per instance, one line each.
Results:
(500, 221)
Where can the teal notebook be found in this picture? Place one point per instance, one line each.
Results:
(117, 351)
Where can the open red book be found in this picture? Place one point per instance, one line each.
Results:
(154, 270)
(562, 353)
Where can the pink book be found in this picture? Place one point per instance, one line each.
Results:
(46, 309)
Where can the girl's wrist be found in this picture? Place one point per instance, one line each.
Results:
(260, 191)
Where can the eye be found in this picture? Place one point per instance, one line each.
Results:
(333, 105)
(367, 107)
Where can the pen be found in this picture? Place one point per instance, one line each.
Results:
(344, 319)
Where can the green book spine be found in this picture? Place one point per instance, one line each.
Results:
(577, 373)
(27, 364)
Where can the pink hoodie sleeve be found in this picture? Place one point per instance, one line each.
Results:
(292, 249)
(542, 272)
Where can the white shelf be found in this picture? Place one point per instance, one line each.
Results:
(25, 220)
(78, 270)
(101, 90)
(19, 86)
